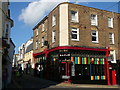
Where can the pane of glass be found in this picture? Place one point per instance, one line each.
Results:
(74, 36)
(110, 35)
(93, 17)
(74, 32)
(94, 38)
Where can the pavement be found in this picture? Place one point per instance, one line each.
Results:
(31, 82)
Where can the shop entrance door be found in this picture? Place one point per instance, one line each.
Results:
(65, 70)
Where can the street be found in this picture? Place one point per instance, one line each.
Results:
(31, 82)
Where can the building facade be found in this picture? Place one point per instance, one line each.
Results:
(77, 42)
(6, 42)
(26, 55)
(15, 59)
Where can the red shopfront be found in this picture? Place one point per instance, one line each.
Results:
(75, 64)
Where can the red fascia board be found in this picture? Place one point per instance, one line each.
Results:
(76, 48)
(36, 54)
(69, 47)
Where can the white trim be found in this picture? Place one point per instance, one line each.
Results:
(94, 22)
(110, 22)
(53, 36)
(36, 45)
(42, 41)
(76, 15)
(53, 20)
(37, 32)
(114, 56)
(112, 37)
(43, 27)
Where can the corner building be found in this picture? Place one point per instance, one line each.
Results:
(78, 44)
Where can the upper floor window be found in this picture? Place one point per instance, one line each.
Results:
(110, 22)
(7, 30)
(43, 27)
(75, 34)
(37, 44)
(94, 36)
(74, 16)
(53, 36)
(53, 20)
(42, 41)
(94, 20)
(36, 31)
(111, 38)
(112, 56)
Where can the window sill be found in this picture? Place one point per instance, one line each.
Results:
(74, 21)
(112, 44)
(94, 25)
(95, 42)
(53, 25)
(36, 35)
(53, 42)
(110, 27)
(42, 46)
(75, 40)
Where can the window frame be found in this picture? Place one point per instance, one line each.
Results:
(112, 38)
(43, 27)
(42, 41)
(110, 22)
(53, 36)
(73, 29)
(76, 15)
(92, 20)
(112, 54)
(37, 32)
(36, 44)
(95, 36)
(53, 20)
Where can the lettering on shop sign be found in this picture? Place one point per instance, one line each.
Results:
(65, 77)
(64, 55)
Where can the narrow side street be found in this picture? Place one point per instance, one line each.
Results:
(31, 82)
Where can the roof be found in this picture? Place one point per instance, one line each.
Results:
(40, 22)
(29, 48)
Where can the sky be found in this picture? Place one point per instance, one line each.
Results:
(27, 14)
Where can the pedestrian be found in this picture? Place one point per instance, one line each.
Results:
(35, 70)
(20, 71)
(4, 78)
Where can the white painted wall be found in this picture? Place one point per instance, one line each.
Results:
(63, 28)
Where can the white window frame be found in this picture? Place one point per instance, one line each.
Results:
(110, 22)
(111, 38)
(75, 19)
(94, 21)
(75, 29)
(95, 36)
(53, 36)
(43, 27)
(42, 41)
(37, 44)
(112, 56)
(53, 20)
(37, 32)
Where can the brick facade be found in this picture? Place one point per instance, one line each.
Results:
(85, 28)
